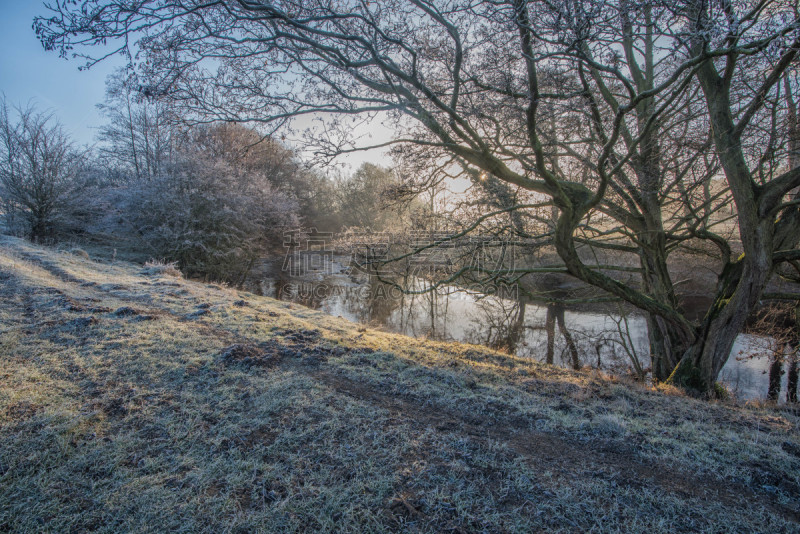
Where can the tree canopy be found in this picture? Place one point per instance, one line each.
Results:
(625, 116)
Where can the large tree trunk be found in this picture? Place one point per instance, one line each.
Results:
(649, 169)
(575, 360)
(742, 282)
(664, 347)
(741, 285)
(664, 342)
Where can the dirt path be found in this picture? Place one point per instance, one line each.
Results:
(543, 449)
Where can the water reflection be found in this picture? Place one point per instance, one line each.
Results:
(600, 336)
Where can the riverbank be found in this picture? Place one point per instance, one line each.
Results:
(131, 399)
(587, 334)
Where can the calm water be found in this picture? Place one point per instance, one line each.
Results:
(604, 337)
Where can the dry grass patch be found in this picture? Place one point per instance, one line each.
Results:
(161, 268)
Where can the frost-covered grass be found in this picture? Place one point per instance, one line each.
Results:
(132, 400)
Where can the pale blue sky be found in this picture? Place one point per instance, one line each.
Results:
(29, 74)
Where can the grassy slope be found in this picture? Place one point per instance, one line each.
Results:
(124, 407)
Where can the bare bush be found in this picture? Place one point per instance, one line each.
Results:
(211, 218)
(40, 172)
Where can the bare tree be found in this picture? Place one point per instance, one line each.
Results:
(137, 142)
(619, 114)
(39, 171)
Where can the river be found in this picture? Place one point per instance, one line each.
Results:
(602, 336)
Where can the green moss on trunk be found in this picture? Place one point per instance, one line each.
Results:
(688, 377)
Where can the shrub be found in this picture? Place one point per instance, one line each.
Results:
(210, 218)
(161, 268)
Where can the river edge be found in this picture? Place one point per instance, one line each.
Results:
(611, 337)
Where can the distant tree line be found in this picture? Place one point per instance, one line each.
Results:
(214, 198)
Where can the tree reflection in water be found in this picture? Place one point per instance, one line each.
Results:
(555, 332)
